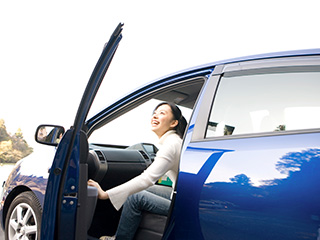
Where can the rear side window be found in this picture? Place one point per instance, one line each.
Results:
(268, 102)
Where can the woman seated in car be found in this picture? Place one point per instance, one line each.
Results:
(140, 194)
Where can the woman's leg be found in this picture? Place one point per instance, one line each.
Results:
(160, 190)
(135, 204)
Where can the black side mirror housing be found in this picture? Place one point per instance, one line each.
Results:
(49, 134)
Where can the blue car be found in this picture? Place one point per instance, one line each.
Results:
(249, 164)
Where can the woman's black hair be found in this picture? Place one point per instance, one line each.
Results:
(177, 115)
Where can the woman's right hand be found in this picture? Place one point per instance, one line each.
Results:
(101, 194)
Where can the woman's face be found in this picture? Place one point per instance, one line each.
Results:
(162, 120)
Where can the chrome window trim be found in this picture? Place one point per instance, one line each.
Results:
(234, 69)
(259, 135)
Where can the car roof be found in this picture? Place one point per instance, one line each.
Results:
(295, 53)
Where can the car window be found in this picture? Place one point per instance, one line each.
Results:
(265, 102)
(134, 126)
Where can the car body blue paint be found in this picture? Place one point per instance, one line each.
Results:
(29, 174)
(267, 183)
(52, 191)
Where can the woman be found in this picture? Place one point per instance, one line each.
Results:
(139, 194)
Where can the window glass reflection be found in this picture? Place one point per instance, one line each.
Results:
(265, 103)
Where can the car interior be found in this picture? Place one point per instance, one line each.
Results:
(118, 154)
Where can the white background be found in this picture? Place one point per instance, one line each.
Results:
(49, 48)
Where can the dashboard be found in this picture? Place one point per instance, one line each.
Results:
(103, 159)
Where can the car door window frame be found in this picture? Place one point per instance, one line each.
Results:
(126, 105)
(295, 64)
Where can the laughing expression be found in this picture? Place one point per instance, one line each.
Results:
(162, 120)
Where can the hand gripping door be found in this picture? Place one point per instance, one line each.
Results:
(64, 204)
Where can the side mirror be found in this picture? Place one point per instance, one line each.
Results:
(49, 134)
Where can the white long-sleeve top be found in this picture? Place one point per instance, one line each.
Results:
(165, 162)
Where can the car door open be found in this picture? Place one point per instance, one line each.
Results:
(65, 202)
